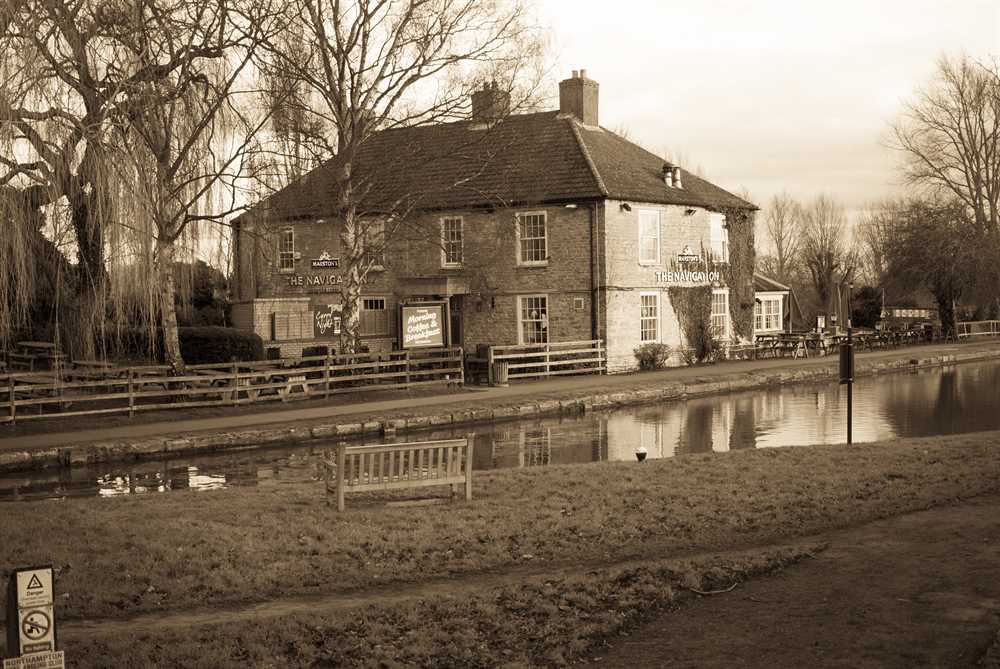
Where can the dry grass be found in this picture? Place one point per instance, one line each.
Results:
(116, 557)
(538, 623)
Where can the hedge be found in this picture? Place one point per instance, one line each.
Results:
(199, 345)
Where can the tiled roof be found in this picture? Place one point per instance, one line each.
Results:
(525, 159)
(764, 284)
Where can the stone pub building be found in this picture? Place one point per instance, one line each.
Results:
(539, 227)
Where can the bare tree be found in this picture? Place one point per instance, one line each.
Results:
(783, 223)
(382, 64)
(826, 249)
(950, 136)
(877, 233)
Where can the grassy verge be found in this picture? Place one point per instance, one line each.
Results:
(160, 552)
(539, 623)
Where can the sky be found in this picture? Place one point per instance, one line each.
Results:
(768, 96)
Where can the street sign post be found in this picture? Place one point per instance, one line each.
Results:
(847, 377)
(31, 623)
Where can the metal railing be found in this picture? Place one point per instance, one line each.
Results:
(977, 329)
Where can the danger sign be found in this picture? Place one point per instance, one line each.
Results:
(31, 628)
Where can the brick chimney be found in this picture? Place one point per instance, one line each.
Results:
(578, 96)
(490, 104)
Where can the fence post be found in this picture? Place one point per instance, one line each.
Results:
(548, 369)
(489, 366)
(13, 404)
(461, 366)
(406, 359)
(131, 395)
(236, 384)
(326, 374)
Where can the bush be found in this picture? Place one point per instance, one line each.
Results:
(652, 356)
(310, 351)
(217, 344)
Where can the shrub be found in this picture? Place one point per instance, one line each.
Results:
(652, 356)
(310, 351)
(217, 344)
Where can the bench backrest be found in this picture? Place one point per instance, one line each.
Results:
(406, 465)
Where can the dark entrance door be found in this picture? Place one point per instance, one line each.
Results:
(455, 326)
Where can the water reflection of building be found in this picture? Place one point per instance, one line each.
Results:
(544, 442)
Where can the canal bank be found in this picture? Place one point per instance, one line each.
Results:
(187, 435)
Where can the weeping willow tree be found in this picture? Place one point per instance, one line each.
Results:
(78, 79)
(185, 135)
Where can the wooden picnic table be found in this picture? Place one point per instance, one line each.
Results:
(27, 353)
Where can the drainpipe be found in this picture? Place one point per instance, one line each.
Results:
(595, 269)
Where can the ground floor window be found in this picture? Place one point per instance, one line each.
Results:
(720, 313)
(767, 313)
(374, 317)
(533, 319)
(649, 317)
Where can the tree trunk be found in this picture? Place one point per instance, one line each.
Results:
(946, 312)
(163, 261)
(90, 280)
(350, 291)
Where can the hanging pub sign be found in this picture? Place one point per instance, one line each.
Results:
(326, 321)
(325, 260)
(422, 324)
(687, 255)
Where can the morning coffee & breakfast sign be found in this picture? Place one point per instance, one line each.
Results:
(423, 325)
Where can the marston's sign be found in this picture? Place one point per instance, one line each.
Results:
(687, 276)
(687, 255)
(423, 326)
(325, 260)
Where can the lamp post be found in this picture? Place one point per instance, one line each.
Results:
(850, 354)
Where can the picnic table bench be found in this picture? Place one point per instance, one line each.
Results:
(394, 466)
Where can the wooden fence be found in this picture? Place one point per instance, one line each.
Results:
(532, 361)
(40, 395)
(977, 329)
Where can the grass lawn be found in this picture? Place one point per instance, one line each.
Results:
(116, 557)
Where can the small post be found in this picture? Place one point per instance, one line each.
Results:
(131, 394)
(341, 465)
(236, 383)
(406, 360)
(489, 366)
(326, 373)
(548, 369)
(13, 405)
(470, 440)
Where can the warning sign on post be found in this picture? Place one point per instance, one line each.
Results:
(34, 588)
(31, 629)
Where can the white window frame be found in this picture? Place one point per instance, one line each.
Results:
(545, 237)
(724, 331)
(286, 254)
(719, 237)
(445, 241)
(656, 214)
(369, 230)
(655, 318)
(520, 320)
(760, 314)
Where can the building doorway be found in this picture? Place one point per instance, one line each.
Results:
(456, 335)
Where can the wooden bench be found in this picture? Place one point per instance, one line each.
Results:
(394, 466)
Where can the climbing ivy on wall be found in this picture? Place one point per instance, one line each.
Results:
(693, 305)
(739, 272)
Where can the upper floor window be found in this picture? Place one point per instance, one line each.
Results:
(720, 313)
(649, 237)
(286, 250)
(451, 241)
(374, 244)
(532, 237)
(719, 237)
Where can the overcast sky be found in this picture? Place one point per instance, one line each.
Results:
(768, 95)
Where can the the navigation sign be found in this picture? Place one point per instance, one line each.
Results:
(31, 628)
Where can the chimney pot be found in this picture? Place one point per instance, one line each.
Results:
(583, 74)
(677, 177)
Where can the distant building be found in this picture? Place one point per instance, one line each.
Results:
(535, 228)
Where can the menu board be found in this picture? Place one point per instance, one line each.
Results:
(423, 325)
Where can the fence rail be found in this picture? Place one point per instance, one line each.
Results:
(978, 329)
(68, 392)
(531, 361)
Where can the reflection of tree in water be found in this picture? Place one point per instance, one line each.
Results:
(962, 399)
(744, 432)
(696, 436)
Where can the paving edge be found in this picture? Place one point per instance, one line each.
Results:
(151, 448)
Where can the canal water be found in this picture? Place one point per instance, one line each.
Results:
(943, 400)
